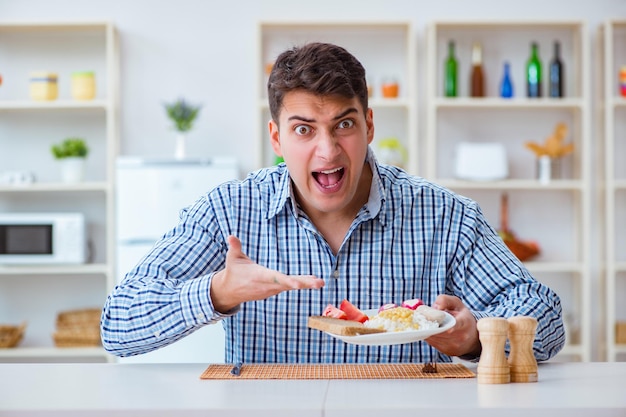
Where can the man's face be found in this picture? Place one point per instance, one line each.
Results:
(324, 140)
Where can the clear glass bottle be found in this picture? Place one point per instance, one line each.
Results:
(506, 85)
(450, 76)
(477, 81)
(533, 72)
(556, 72)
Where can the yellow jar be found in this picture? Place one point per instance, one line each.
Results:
(83, 85)
(43, 86)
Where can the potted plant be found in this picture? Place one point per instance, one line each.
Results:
(71, 152)
(550, 154)
(183, 114)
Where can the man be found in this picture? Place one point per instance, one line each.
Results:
(263, 254)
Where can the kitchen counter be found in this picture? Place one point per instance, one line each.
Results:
(563, 389)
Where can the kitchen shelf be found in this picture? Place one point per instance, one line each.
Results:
(559, 209)
(386, 49)
(85, 269)
(39, 187)
(29, 128)
(539, 267)
(505, 103)
(28, 354)
(612, 36)
(53, 105)
(514, 184)
(373, 102)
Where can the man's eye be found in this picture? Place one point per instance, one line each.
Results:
(345, 124)
(302, 129)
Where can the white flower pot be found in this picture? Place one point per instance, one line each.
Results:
(181, 151)
(72, 169)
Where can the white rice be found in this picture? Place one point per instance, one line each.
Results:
(416, 321)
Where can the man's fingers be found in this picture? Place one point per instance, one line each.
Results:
(447, 303)
(234, 243)
(297, 281)
(234, 248)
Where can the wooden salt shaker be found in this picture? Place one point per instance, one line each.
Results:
(521, 358)
(492, 366)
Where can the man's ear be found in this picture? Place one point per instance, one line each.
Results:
(369, 122)
(275, 137)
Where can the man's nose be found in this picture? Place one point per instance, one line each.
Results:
(327, 145)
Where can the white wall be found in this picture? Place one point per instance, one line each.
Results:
(205, 51)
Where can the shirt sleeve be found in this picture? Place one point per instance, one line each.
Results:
(166, 296)
(492, 282)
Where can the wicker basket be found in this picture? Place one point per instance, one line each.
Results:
(11, 336)
(77, 337)
(522, 250)
(78, 328)
(82, 317)
(620, 332)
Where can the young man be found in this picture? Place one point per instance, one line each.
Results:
(263, 254)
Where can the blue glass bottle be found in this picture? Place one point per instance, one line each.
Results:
(506, 85)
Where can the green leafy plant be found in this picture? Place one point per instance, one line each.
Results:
(182, 114)
(70, 147)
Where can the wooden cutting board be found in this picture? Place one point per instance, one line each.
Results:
(336, 371)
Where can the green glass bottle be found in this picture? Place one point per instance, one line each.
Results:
(450, 76)
(533, 72)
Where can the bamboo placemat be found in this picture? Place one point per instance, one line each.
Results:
(336, 371)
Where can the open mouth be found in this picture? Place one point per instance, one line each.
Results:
(329, 178)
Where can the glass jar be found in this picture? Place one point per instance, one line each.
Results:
(389, 88)
(83, 85)
(43, 86)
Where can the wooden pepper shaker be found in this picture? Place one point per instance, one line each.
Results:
(521, 358)
(492, 366)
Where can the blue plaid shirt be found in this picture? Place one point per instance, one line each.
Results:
(412, 239)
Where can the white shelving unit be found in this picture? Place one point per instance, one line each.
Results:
(386, 50)
(557, 215)
(35, 294)
(613, 37)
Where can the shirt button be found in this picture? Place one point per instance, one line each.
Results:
(157, 334)
(336, 274)
(200, 317)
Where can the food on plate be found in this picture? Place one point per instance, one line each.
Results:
(432, 314)
(412, 304)
(339, 326)
(400, 319)
(352, 312)
(387, 306)
(332, 311)
(346, 311)
(349, 320)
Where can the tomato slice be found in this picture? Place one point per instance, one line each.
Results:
(352, 312)
(332, 311)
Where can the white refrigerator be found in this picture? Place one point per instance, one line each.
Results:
(150, 194)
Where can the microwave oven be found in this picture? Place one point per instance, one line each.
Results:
(42, 238)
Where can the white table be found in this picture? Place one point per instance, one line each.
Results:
(564, 389)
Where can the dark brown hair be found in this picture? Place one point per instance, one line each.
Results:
(319, 68)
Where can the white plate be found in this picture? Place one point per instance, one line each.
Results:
(395, 338)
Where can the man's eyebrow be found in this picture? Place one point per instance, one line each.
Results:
(339, 116)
